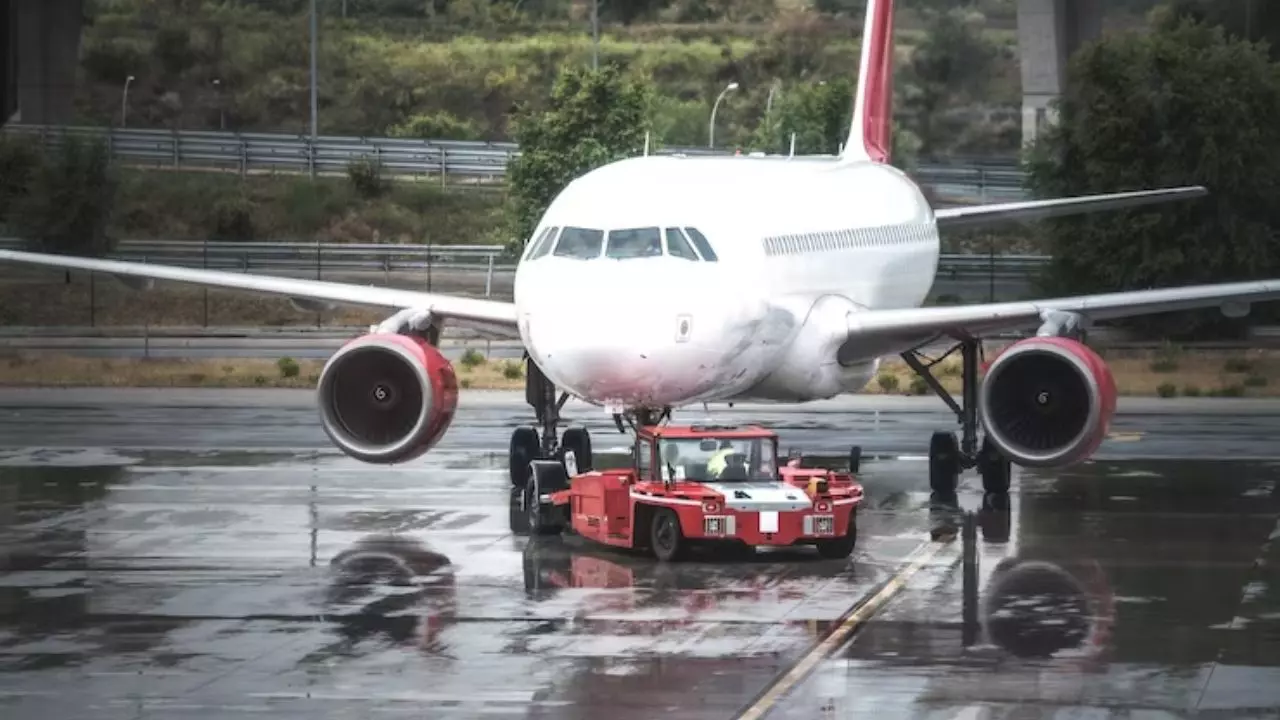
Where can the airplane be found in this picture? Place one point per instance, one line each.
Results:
(659, 282)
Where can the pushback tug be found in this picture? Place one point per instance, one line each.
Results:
(698, 484)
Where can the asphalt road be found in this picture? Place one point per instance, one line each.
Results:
(182, 554)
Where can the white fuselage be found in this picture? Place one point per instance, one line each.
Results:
(800, 245)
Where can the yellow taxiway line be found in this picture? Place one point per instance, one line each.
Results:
(860, 615)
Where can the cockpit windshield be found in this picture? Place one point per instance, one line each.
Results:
(634, 243)
(719, 459)
(623, 244)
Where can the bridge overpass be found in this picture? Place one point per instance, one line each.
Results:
(41, 48)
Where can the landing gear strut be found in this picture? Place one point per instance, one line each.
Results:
(947, 457)
(541, 443)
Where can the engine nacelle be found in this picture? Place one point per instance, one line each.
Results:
(1047, 402)
(387, 398)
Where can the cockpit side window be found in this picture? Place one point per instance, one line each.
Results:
(544, 244)
(532, 246)
(580, 243)
(700, 242)
(678, 246)
(634, 243)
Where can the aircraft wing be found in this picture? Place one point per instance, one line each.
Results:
(974, 320)
(976, 215)
(484, 316)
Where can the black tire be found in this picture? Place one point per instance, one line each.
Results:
(578, 440)
(995, 468)
(855, 459)
(666, 538)
(841, 547)
(944, 464)
(546, 477)
(524, 450)
(519, 521)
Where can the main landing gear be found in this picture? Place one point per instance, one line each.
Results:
(947, 456)
(541, 443)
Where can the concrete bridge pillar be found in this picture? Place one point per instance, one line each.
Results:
(1049, 33)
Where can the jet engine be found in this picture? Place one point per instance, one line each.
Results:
(1047, 402)
(386, 397)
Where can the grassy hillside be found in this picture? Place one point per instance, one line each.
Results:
(175, 205)
(458, 73)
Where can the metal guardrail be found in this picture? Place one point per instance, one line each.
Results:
(468, 163)
(297, 257)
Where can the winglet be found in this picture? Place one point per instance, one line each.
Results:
(871, 128)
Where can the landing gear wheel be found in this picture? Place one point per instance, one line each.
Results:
(944, 464)
(524, 450)
(578, 440)
(544, 479)
(840, 547)
(855, 459)
(995, 469)
(665, 536)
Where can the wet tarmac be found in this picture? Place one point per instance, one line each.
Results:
(185, 554)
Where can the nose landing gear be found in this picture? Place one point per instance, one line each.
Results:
(541, 443)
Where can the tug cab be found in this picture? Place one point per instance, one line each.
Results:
(699, 485)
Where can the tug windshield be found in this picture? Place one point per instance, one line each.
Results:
(719, 459)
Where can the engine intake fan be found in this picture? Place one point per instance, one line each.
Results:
(1047, 402)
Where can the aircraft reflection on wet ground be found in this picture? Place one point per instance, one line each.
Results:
(180, 584)
(1125, 586)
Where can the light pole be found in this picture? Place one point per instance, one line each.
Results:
(768, 103)
(124, 102)
(711, 126)
(314, 103)
(595, 34)
(222, 111)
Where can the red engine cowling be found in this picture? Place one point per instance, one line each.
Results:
(387, 398)
(1047, 402)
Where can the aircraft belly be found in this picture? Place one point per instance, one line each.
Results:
(761, 496)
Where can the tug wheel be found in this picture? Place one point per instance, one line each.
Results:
(665, 536)
(840, 547)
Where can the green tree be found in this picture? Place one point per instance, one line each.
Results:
(593, 118)
(953, 66)
(1183, 105)
(68, 205)
(819, 114)
(1254, 20)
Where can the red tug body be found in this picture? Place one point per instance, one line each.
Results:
(699, 484)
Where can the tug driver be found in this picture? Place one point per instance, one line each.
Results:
(719, 462)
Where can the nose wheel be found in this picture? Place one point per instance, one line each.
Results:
(529, 444)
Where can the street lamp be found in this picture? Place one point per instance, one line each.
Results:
(222, 110)
(314, 101)
(711, 127)
(768, 103)
(124, 102)
(595, 34)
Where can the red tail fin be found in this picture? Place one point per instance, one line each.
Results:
(871, 132)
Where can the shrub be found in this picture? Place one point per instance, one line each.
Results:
(919, 386)
(888, 381)
(1237, 365)
(513, 371)
(366, 177)
(288, 367)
